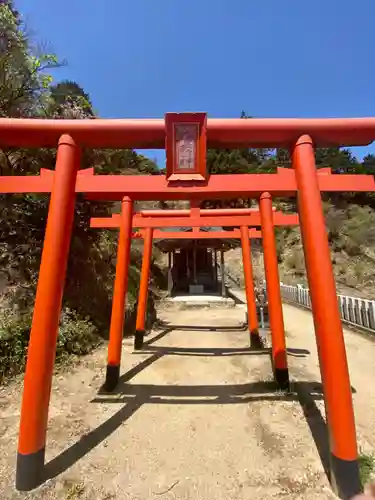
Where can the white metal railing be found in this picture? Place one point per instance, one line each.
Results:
(353, 310)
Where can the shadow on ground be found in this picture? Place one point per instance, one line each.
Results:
(131, 397)
(208, 328)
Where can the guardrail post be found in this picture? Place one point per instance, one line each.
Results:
(371, 314)
(299, 293)
(346, 310)
(351, 310)
(363, 311)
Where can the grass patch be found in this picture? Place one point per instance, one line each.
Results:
(366, 467)
(73, 489)
(77, 336)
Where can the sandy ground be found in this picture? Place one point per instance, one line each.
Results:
(195, 417)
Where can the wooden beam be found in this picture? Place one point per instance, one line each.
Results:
(280, 219)
(196, 211)
(200, 235)
(221, 133)
(156, 187)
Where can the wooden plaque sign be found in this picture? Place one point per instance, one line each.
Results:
(185, 146)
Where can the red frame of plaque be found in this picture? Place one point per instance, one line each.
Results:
(198, 172)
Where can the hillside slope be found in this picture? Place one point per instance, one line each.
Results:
(351, 231)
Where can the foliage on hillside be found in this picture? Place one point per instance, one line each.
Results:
(351, 232)
(350, 217)
(27, 90)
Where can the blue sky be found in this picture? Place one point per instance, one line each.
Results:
(271, 58)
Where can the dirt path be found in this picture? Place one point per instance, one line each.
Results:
(360, 353)
(195, 417)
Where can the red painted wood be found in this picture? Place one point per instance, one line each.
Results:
(44, 328)
(201, 212)
(150, 187)
(327, 321)
(280, 219)
(221, 133)
(200, 235)
(173, 172)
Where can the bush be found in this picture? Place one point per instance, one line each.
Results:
(358, 230)
(366, 467)
(335, 220)
(296, 261)
(352, 247)
(14, 337)
(77, 336)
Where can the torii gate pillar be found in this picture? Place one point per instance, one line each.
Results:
(328, 329)
(119, 295)
(45, 324)
(275, 310)
(143, 290)
(252, 318)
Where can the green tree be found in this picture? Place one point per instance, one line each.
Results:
(26, 90)
(368, 164)
(24, 73)
(69, 100)
(339, 160)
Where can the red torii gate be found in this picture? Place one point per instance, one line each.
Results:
(267, 218)
(298, 135)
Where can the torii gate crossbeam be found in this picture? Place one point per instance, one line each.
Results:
(155, 187)
(221, 132)
(253, 219)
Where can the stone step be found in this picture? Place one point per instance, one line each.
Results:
(198, 301)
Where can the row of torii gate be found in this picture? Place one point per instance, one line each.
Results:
(149, 220)
(185, 136)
